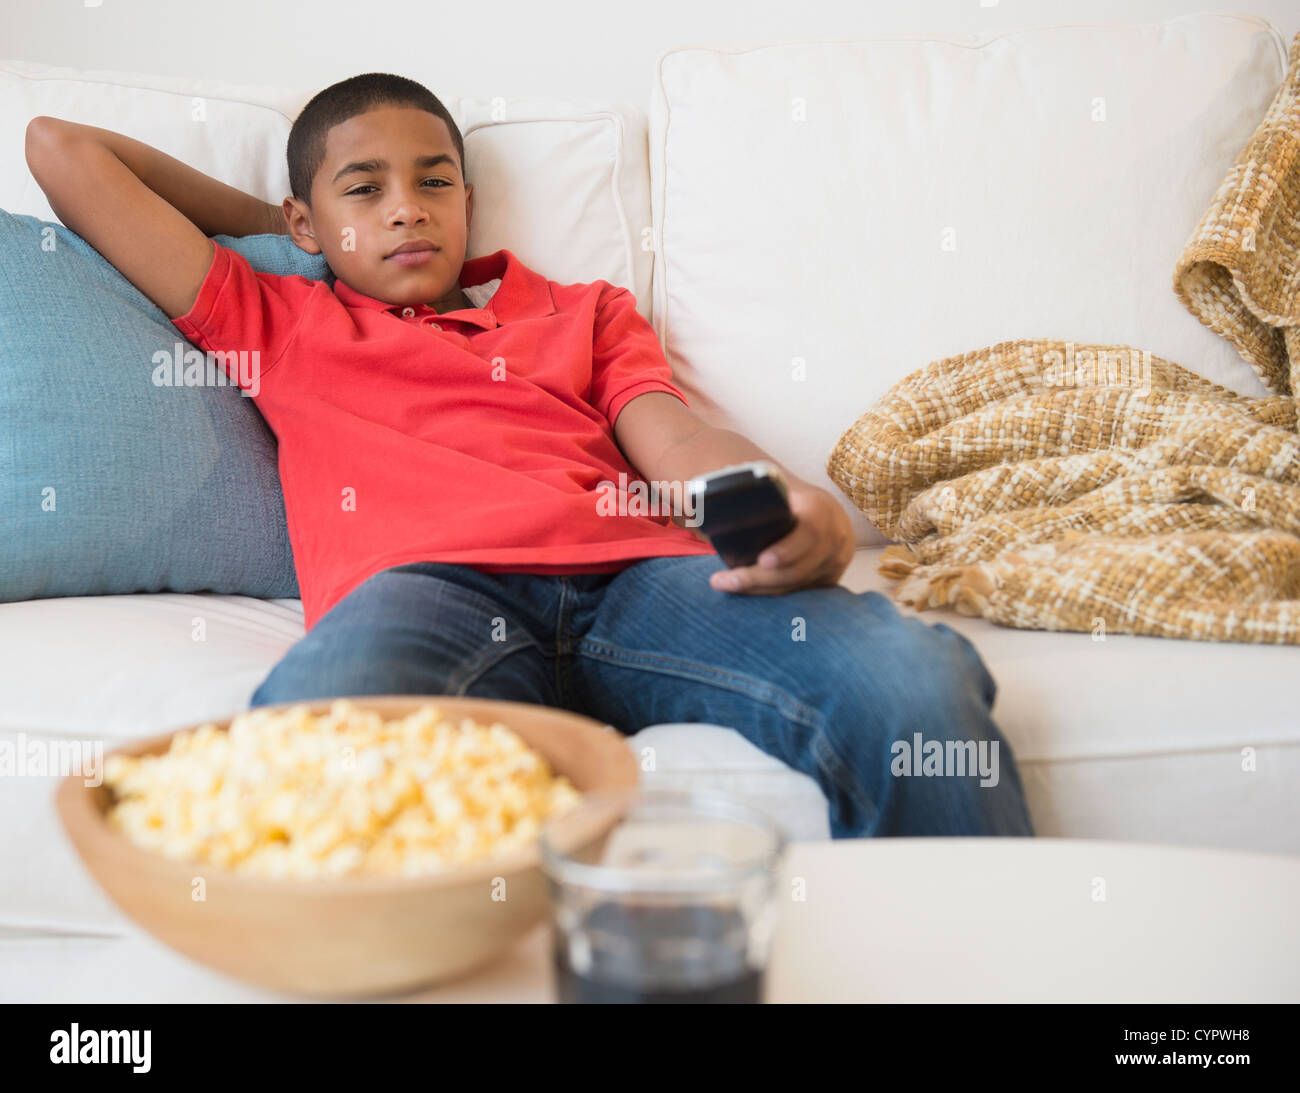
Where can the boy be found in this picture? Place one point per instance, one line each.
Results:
(443, 428)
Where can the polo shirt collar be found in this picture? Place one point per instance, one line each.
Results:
(522, 294)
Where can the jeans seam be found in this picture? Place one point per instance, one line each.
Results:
(561, 643)
(788, 706)
(477, 669)
(841, 774)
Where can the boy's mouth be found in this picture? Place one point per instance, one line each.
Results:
(412, 244)
(415, 253)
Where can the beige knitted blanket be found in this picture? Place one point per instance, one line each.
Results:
(1099, 488)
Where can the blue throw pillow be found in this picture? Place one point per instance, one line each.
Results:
(110, 483)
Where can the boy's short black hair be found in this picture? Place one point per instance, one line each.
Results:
(344, 100)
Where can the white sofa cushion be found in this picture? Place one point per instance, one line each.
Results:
(234, 133)
(865, 207)
(561, 183)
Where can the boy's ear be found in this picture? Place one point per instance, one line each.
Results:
(298, 218)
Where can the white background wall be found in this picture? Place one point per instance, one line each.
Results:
(574, 48)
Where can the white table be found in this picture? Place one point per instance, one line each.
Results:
(884, 920)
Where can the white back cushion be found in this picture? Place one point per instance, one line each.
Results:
(833, 215)
(561, 183)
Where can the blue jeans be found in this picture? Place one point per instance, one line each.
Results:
(836, 684)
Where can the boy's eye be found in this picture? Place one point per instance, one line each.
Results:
(360, 189)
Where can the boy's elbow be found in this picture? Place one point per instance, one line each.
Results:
(38, 126)
(41, 131)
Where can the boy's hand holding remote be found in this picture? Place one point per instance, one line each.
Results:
(815, 554)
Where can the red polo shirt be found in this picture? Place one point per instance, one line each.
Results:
(476, 437)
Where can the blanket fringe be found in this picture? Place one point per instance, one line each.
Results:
(922, 586)
(966, 587)
(897, 561)
(972, 596)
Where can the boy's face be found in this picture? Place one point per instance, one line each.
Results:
(360, 214)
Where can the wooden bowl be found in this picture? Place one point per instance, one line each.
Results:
(350, 936)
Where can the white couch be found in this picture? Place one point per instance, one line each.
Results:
(804, 224)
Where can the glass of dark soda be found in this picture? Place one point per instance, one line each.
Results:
(661, 895)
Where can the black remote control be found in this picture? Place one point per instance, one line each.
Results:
(741, 509)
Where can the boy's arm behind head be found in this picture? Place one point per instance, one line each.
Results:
(144, 211)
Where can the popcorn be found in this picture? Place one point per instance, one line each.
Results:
(346, 793)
